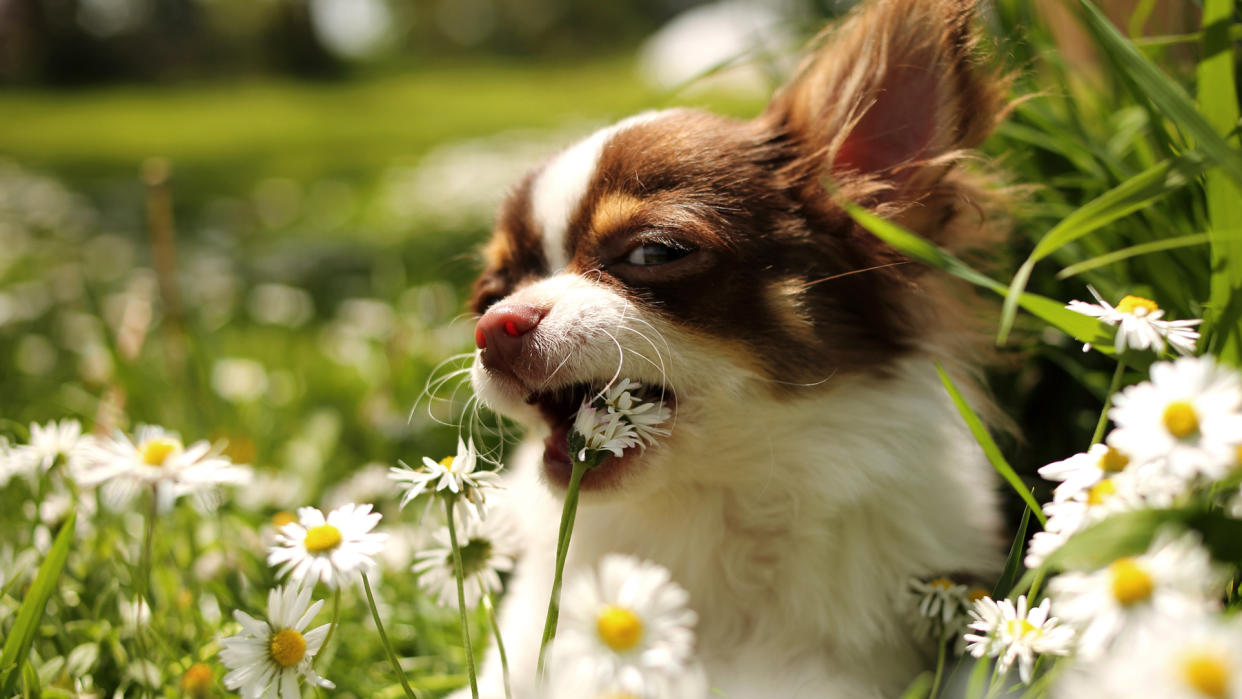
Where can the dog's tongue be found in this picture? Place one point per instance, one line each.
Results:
(556, 446)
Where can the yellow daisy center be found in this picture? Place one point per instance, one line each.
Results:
(280, 519)
(156, 451)
(1131, 583)
(1113, 461)
(325, 537)
(1136, 305)
(1019, 628)
(976, 594)
(447, 463)
(1098, 493)
(619, 628)
(288, 647)
(196, 682)
(1207, 674)
(1180, 419)
(941, 583)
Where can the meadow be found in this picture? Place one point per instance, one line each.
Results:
(279, 268)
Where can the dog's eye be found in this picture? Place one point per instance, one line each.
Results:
(649, 254)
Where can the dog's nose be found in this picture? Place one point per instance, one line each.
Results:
(501, 333)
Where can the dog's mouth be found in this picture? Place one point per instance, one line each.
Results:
(559, 408)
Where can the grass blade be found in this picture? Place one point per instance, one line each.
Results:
(1180, 241)
(1163, 92)
(1135, 193)
(1013, 562)
(21, 636)
(1219, 101)
(1082, 328)
(989, 446)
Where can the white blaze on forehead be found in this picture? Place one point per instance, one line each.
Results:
(558, 190)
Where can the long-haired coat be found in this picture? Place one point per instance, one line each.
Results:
(815, 463)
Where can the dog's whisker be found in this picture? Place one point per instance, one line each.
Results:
(813, 282)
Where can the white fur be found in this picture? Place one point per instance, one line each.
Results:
(558, 190)
(793, 523)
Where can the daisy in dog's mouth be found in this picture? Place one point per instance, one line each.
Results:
(620, 417)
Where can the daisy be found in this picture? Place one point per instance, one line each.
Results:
(56, 441)
(1015, 633)
(691, 682)
(1140, 323)
(1116, 493)
(1187, 658)
(644, 416)
(452, 474)
(267, 658)
(598, 430)
(330, 550)
(1174, 577)
(157, 459)
(626, 629)
(941, 606)
(487, 550)
(1081, 471)
(1188, 418)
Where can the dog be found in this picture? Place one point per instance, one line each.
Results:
(815, 463)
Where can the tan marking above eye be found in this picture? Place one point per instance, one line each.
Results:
(614, 210)
(498, 251)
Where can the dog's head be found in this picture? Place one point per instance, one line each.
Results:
(709, 258)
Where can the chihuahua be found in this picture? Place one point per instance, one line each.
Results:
(815, 463)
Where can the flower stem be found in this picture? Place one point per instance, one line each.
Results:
(461, 596)
(336, 618)
(379, 626)
(568, 514)
(940, 653)
(500, 642)
(1108, 403)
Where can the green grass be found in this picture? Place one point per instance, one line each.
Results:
(227, 135)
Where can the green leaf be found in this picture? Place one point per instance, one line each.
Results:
(1013, 562)
(1180, 241)
(1123, 534)
(21, 636)
(1163, 92)
(1081, 327)
(919, 688)
(989, 445)
(1219, 101)
(1135, 193)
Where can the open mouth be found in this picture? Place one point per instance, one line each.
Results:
(559, 408)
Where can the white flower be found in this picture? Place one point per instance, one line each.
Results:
(1175, 577)
(627, 629)
(645, 416)
(453, 474)
(1198, 657)
(330, 550)
(487, 550)
(1010, 633)
(941, 606)
(603, 430)
(690, 683)
(1140, 322)
(48, 443)
(134, 614)
(267, 658)
(156, 458)
(1081, 509)
(1188, 418)
(1081, 471)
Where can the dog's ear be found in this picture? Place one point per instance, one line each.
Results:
(889, 96)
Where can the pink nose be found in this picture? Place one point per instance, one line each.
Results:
(501, 333)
